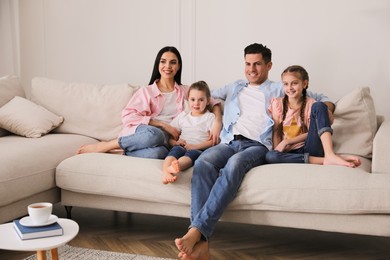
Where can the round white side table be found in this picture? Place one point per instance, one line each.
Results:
(9, 239)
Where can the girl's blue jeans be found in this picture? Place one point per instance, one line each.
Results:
(147, 142)
(178, 151)
(319, 124)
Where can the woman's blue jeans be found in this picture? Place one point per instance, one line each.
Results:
(319, 124)
(147, 142)
(217, 176)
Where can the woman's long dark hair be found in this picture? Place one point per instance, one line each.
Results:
(156, 73)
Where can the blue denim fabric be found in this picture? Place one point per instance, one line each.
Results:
(179, 151)
(147, 142)
(217, 176)
(293, 156)
(319, 124)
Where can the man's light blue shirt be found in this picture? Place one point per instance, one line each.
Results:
(231, 113)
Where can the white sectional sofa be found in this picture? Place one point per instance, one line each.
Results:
(328, 198)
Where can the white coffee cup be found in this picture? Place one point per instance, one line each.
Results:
(40, 212)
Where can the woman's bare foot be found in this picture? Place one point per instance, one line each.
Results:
(100, 147)
(334, 159)
(199, 252)
(174, 167)
(168, 178)
(188, 241)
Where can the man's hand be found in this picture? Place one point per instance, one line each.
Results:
(217, 126)
(215, 131)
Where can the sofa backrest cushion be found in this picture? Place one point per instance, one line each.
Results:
(10, 87)
(88, 109)
(355, 123)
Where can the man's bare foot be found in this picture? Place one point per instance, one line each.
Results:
(174, 167)
(338, 160)
(100, 147)
(188, 241)
(168, 178)
(199, 252)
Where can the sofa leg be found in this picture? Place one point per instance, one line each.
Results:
(68, 212)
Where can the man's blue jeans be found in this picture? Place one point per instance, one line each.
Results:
(217, 176)
(147, 142)
(319, 124)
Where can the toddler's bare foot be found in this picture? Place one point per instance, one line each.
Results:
(174, 167)
(100, 147)
(168, 178)
(199, 252)
(188, 241)
(337, 160)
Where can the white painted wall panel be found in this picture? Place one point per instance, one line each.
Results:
(343, 44)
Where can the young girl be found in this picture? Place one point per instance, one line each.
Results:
(194, 127)
(293, 140)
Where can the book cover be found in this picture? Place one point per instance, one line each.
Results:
(24, 232)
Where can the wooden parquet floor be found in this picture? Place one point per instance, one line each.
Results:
(154, 235)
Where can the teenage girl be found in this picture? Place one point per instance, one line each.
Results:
(194, 128)
(302, 130)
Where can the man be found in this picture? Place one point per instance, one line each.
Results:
(245, 139)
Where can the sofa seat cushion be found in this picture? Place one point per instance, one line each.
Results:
(278, 187)
(314, 189)
(28, 164)
(120, 176)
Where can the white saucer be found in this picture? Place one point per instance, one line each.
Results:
(27, 221)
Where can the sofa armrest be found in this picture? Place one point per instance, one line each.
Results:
(380, 151)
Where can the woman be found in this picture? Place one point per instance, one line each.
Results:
(146, 117)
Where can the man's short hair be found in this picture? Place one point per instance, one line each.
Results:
(256, 48)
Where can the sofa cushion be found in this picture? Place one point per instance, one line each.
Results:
(315, 189)
(120, 176)
(28, 164)
(355, 123)
(280, 187)
(88, 109)
(10, 87)
(22, 117)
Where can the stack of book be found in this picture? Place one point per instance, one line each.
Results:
(25, 232)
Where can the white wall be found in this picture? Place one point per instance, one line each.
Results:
(9, 38)
(343, 44)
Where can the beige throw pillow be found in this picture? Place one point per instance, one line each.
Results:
(88, 109)
(22, 117)
(355, 123)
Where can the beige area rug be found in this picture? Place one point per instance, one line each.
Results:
(76, 253)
